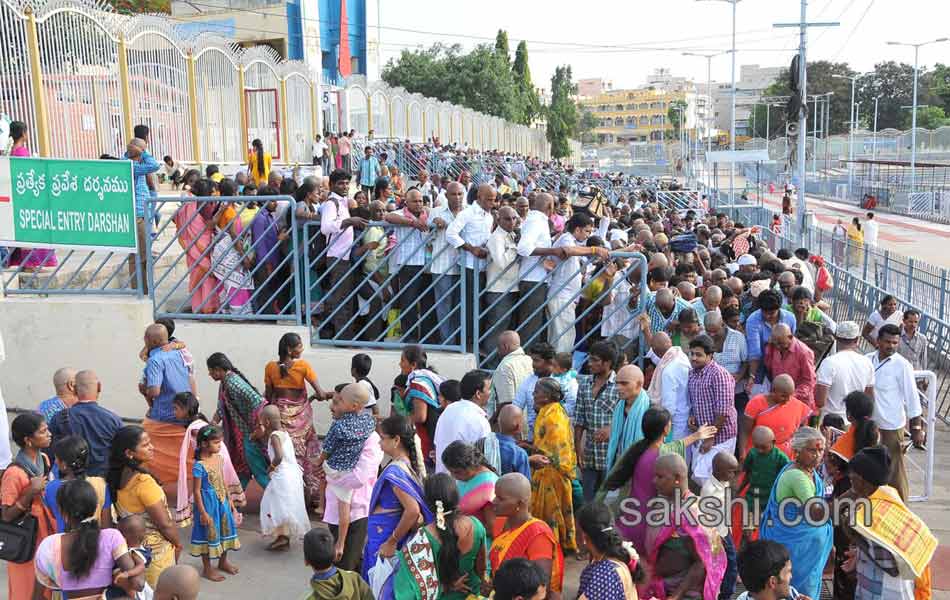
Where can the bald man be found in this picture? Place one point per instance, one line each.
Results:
(87, 419)
(663, 308)
(166, 374)
(64, 383)
(179, 582)
(468, 234)
(409, 259)
(787, 354)
(514, 368)
(501, 277)
(524, 536)
(626, 427)
(708, 302)
(668, 384)
(514, 459)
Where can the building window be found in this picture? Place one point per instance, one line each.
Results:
(644, 121)
(618, 122)
(619, 107)
(645, 106)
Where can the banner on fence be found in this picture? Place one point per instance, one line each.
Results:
(50, 203)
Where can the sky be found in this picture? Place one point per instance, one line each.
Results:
(623, 41)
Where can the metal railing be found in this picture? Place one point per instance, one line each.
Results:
(209, 262)
(49, 272)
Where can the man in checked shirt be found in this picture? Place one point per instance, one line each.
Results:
(597, 394)
(711, 391)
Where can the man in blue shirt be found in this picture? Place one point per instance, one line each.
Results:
(142, 166)
(85, 418)
(758, 330)
(368, 170)
(64, 382)
(514, 459)
(166, 374)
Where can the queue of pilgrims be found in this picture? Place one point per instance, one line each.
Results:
(486, 486)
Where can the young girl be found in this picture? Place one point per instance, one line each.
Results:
(283, 509)
(187, 410)
(214, 533)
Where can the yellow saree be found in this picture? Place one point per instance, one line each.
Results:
(551, 497)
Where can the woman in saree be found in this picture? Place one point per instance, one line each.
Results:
(475, 480)
(396, 505)
(136, 492)
(448, 558)
(614, 566)
(636, 467)
(285, 386)
(855, 242)
(195, 231)
(778, 410)
(21, 493)
(809, 545)
(306, 209)
(421, 399)
(553, 463)
(239, 405)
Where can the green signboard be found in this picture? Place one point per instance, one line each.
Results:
(58, 203)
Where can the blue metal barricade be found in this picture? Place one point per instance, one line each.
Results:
(212, 258)
(369, 296)
(49, 272)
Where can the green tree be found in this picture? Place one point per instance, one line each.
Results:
(893, 84)
(928, 117)
(562, 115)
(132, 7)
(821, 80)
(938, 82)
(530, 104)
(480, 80)
(501, 45)
(674, 114)
(588, 122)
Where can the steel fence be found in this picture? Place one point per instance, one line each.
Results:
(48, 272)
(213, 258)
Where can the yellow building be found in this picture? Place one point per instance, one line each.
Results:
(636, 115)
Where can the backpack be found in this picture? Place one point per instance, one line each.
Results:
(684, 243)
(817, 337)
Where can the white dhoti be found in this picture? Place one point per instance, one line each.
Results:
(703, 461)
(561, 333)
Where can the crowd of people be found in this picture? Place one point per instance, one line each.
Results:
(723, 377)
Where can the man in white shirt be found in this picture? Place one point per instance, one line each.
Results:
(426, 187)
(317, 150)
(464, 420)
(895, 402)
(468, 234)
(445, 270)
(337, 225)
(843, 372)
(501, 275)
(668, 385)
(870, 230)
(408, 260)
(514, 368)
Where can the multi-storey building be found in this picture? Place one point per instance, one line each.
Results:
(751, 85)
(637, 115)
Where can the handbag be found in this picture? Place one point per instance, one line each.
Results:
(18, 539)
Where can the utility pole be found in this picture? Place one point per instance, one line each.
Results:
(709, 103)
(803, 26)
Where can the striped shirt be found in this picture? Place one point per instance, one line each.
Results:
(410, 248)
(593, 413)
(658, 321)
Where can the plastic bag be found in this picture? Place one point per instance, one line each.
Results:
(380, 573)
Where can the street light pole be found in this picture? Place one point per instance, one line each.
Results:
(708, 58)
(913, 118)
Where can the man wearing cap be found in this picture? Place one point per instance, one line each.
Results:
(747, 264)
(896, 402)
(843, 372)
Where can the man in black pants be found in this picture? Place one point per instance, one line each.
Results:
(409, 256)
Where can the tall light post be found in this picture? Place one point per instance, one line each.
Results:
(851, 125)
(874, 138)
(732, 111)
(913, 118)
(708, 57)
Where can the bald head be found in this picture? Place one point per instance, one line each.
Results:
(665, 301)
(543, 202)
(155, 336)
(509, 419)
(783, 384)
(508, 341)
(629, 382)
(781, 336)
(712, 297)
(179, 582)
(270, 415)
(762, 436)
(713, 324)
(355, 395)
(725, 467)
(87, 384)
(671, 474)
(687, 290)
(64, 381)
(660, 343)
(786, 280)
(735, 284)
(515, 486)
(659, 260)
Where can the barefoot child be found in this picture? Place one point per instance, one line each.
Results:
(342, 448)
(762, 465)
(328, 581)
(283, 508)
(214, 532)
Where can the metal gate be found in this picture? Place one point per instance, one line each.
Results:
(263, 119)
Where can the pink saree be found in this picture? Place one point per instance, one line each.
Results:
(183, 508)
(196, 235)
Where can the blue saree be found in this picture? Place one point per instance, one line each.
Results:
(380, 526)
(808, 545)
